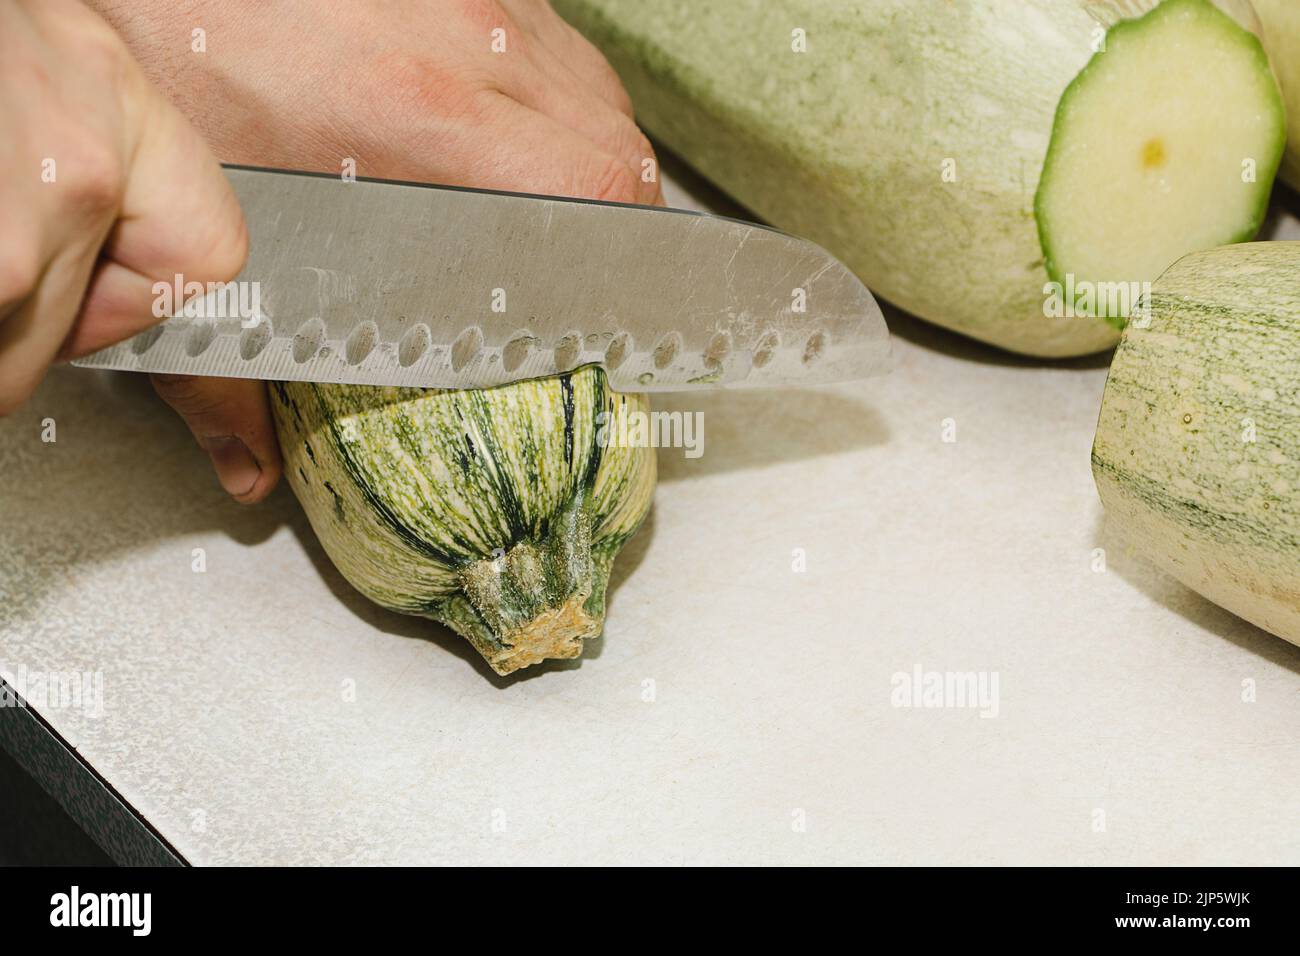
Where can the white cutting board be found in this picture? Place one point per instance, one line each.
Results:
(735, 711)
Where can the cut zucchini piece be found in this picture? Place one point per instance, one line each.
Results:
(1167, 141)
(908, 137)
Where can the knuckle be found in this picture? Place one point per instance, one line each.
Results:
(622, 101)
(228, 252)
(482, 14)
(215, 253)
(84, 123)
(610, 80)
(20, 272)
(613, 181)
(95, 176)
(605, 76)
(639, 147)
(481, 103)
(628, 142)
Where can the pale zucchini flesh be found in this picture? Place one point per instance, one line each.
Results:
(1197, 454)
(1162, 126)
(910, 137)
(496, 511)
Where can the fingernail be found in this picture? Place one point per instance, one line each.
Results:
(236, 467)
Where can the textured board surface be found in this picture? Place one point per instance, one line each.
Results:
(735, 711)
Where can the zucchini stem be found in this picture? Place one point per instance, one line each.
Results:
(532, 602)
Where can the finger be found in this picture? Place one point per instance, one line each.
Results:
(508, 146)
(537, 79)
(179, 217)
(51, 226)
(557, 93)
(230, 418)
(571, 49)
(31, 334)
(117, 305)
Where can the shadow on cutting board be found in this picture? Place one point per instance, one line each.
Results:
(125, 474)
(122, 474)
(745, 429)
(425, 629)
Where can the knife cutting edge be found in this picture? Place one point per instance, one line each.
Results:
(387, 283)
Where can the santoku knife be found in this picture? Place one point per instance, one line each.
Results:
(376, 282)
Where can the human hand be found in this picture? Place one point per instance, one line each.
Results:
(418, 91)
(107, 189)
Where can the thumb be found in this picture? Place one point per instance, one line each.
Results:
(230, 418)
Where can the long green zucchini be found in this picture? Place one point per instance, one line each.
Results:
(1281, 34)
(974, 161)
(497, 511)
(1197, 455)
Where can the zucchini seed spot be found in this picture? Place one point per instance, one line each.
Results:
(1153, 154)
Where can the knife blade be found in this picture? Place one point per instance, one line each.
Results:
(379, 282)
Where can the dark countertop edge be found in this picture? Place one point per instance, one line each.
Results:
(84, 793)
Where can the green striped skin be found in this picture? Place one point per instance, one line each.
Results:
(848, 143)
(494, 511)
(1174, 462)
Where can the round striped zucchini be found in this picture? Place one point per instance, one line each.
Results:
(1197, 455)
(496, 511)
